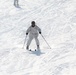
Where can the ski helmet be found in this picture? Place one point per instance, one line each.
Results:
(33, 23)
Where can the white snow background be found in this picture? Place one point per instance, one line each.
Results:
(57, 19)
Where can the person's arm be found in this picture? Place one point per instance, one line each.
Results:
(39, 29)
(27, 31)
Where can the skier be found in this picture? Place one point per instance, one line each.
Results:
(16, 3)
(33, 31)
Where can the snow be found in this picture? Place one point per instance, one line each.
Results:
(57, 19)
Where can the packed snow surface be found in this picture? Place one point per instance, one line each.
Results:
(57, 20)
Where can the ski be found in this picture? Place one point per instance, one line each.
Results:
(32, 50)
(35, 51)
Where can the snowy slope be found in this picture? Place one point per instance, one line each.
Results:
(57, 19)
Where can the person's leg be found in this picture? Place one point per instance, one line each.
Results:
(29, 42)
(37, 43)
(17, 2)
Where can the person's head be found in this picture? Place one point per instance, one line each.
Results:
(33, 23)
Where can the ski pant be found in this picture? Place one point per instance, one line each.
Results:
(31, 37)
(16, 2)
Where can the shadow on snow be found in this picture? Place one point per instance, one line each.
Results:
(38, 53)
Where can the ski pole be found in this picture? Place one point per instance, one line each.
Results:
(46, 41)
(24, 41)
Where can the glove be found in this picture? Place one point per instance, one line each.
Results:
(39, 32)
(26, 33)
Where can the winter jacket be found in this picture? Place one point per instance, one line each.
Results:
(33, 30)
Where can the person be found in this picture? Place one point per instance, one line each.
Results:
(16, 2)
(33, 32)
